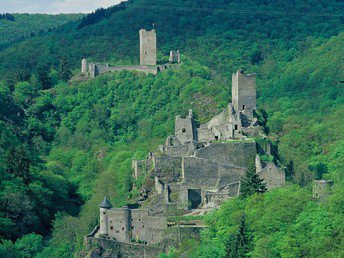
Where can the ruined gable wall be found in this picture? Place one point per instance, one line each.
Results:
(272, 175)
(141, 167)
(184, 129)
(218, 126)
(236, 153)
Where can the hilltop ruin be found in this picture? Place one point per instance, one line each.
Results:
(196, 170)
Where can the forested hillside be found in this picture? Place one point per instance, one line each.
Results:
(18, 27)
(64, 145)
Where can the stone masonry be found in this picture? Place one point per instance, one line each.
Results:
(148, 59)
(147, 47)
(197, 169)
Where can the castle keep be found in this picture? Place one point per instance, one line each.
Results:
(148, 59)
(147, 47)
(196, 170)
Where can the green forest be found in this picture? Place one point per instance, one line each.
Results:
(66, 142)
(18, 27)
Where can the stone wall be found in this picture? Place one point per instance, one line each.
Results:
(141, 167)
(272, 175)
(119, 224)
(218, 128)
(322, 189)
(204, 173)
(147, 47)
(147, 228)
(185, 129)
(168, 168)
(177, 151)
(236, 153)
(114, 249)
(124, 224)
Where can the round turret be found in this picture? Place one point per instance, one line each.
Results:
(104, 220)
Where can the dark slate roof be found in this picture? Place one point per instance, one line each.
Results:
(106, 203)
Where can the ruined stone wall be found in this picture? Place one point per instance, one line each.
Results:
(272, 175)
(218, 128)
(125, 225)
(203, 173)
(322, 189)
(147, 47)
(243, 91)
(141, 167)
(147, 228)
(236, 153)
(177, 151)
(185, 129)
(138, 223)
(139, 68)
(200, 173)
(119, 224)
(179, 195)
(168, 168)
(155, 229)
(113, 249)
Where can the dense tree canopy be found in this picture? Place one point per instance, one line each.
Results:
(65, 144)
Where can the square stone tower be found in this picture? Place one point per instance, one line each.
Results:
(147, 47)
(243, 91)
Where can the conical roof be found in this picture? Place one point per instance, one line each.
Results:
(105, 204)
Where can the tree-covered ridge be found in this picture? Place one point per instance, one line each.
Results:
(17, 27)
(220, 34)
(7, 16)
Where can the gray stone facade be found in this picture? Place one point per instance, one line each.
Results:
(244, 91)
(131, 225)
(147, 47)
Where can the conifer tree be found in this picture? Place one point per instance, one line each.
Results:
(240, 245)
(64, 70)
(251, 183)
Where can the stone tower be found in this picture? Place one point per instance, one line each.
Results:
(84, 66)
(244, 91)
(104, 208)
(147, 47)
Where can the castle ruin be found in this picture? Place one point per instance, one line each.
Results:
(148, 59)
(196, 170)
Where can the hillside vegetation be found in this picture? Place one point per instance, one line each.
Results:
(64, 146)
(18, 27)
